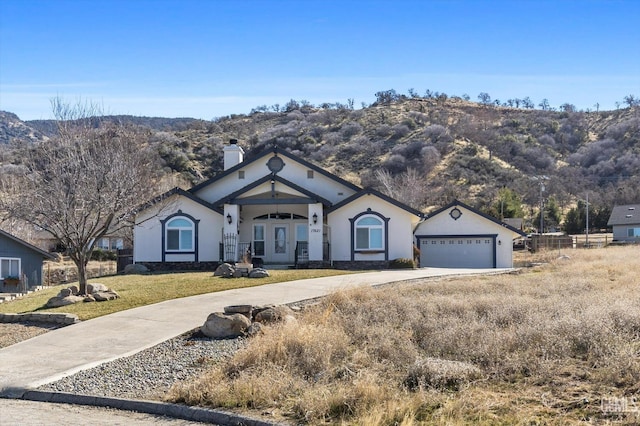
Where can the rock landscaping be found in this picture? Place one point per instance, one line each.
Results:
(135, 268)
(227, 270)
(96, 292)
(244, 320)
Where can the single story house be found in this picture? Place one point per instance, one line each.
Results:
(459, 236)
(110, 242)
(274, 208)
(20, 261)
(625, 221)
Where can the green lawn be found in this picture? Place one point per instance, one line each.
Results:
(140, 290)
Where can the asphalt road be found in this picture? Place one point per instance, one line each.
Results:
(30, 413)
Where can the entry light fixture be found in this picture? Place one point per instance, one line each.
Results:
(315, 218)
(499, 242)
(229, 218)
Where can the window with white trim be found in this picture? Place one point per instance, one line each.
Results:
(369, 233)
(117, 244)
(258, 239)
(633, 232)
(103, 243)
(179, 234)
(9, 267)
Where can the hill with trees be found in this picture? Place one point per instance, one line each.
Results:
(505, 158)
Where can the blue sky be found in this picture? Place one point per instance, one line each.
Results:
(205, 59)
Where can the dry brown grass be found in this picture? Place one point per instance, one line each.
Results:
(541, 347)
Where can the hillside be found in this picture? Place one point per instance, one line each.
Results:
(456, 148)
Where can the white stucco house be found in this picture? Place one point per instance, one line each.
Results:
(275, 208)
(459, 236)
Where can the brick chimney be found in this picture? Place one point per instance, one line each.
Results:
(233, 154)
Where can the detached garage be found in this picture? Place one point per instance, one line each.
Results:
(459, 236)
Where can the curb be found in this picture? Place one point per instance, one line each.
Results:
(184, 412)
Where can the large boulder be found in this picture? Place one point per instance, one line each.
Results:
(225, 326)
(258, 273)
(96, 287)
(245, 310)
(226, 270)
(56, 302)
(103, 296)
(64, 293)
(273, 314)
(135, 268)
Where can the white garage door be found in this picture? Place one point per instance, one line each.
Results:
(459, 252)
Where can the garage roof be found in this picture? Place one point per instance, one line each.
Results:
(476, 211)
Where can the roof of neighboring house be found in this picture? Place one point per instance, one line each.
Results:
(476, 211)
(628, 214)
(516, 222)
(27, 245)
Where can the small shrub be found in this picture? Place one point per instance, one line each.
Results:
(103, 255)
(441, 374)
(402, 263)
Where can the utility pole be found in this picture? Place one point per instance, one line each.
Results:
(587, 229)
(540, 180)
(541, 208)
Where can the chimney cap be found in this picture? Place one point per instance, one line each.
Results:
(233, 141)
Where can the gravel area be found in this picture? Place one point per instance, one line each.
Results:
(150, 373)
(12, 333)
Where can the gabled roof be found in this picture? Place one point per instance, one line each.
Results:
(273, 151)
(628, 214)
(478, 212)
(370, 191)
(276, 178)
(181, 192)
(27, 245)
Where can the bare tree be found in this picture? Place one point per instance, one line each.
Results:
(631, 101)
(407, 187)
(544, 104)
(484, 98)
(84, 183)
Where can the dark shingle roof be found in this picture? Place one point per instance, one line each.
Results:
(628, 214)
(44, 254)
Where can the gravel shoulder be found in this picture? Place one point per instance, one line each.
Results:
(150, 373)
(12, 333)
(145, 375)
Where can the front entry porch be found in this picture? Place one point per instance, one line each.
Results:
(276, 238)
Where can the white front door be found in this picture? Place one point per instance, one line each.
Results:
(280, 250)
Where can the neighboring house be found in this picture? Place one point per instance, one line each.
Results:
(625, 221)
(110, 242)
(275, 208)
(515, 222)
(459, 236)
(21, 260)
